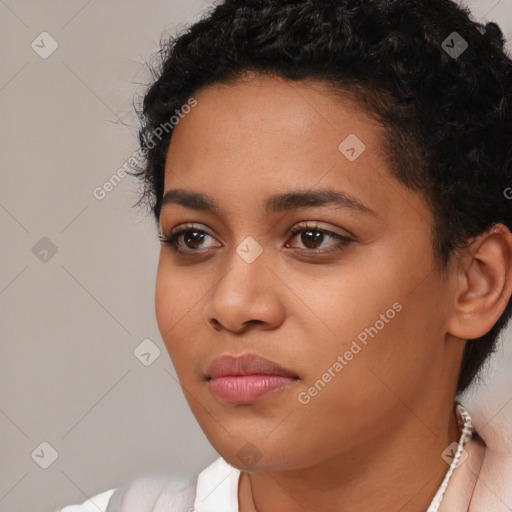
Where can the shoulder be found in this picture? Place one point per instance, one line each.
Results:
(153, 493)
(142, 494)
(98, 502)
(165, 492)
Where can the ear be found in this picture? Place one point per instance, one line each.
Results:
(483, 283)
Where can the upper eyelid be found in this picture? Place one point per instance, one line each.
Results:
(316, 227)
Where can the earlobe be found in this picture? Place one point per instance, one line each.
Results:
(484, 283)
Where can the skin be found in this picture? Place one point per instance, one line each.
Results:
(351, 446)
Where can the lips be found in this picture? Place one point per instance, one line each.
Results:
(246, 379)
(248, 364)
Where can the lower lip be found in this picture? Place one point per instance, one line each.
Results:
(244, 389)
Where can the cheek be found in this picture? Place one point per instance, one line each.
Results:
(178, 310)
(164, 302)
(169, 307)
(354, 301)
(383, 315)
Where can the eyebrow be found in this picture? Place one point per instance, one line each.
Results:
(277, 203)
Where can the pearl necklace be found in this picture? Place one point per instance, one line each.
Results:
(464, 422)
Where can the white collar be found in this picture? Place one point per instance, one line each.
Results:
(217, 488)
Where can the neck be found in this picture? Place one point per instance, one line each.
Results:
(400, 472)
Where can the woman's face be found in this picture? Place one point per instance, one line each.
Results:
(350, 307)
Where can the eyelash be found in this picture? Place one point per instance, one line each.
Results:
(170, 239)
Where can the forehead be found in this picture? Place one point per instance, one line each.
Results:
(266, 135)
(293, 119)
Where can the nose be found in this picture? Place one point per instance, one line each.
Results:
(248, 295)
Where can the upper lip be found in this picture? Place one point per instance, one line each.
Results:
(247, 364)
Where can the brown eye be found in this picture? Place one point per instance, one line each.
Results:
(312, 239)
(193, 239)
(189, 239)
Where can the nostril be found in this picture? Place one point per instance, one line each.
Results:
(215, 324)
(212, 322)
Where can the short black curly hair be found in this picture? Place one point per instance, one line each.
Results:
(446, 114)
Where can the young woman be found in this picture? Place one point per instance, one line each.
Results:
(329, 180)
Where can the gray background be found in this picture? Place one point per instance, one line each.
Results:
(69, 324)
